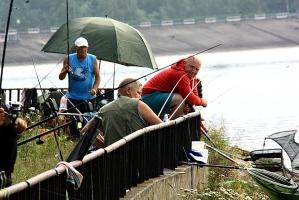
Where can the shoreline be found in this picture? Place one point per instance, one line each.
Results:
(177, 40)
(177, 55)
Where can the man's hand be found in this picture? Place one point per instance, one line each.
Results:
(2, 116)
(20, 125)
(186, 109)
(93, 91)
(204, 102)
(65, 69)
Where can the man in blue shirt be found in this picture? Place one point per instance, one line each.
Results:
(84, 79)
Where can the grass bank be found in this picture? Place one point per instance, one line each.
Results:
(36, 158)
(226, 184)
(223, 184)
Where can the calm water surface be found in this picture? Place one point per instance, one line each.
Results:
(252, 93)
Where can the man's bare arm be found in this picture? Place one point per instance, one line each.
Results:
(148, 114)
(64, 70)
(97, 78)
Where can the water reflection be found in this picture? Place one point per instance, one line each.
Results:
(253, 93)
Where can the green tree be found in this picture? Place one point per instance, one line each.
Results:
(47, 13)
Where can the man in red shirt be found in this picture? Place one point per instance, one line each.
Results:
(173, 85)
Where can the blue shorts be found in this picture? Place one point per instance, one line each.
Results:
(156, 101)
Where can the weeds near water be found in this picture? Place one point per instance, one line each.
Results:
(225, 184)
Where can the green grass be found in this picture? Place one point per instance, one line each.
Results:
(34, 159)
(226, 184)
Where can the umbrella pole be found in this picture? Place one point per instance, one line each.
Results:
(67, 39)
(113, 76)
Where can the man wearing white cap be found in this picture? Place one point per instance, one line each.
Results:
(84, 78)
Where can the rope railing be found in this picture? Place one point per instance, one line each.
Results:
(109, 172)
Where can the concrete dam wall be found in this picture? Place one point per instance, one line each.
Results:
(178, 39)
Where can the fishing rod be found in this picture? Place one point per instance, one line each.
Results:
(39, 141)
(222, 154)
(53, 115)
(43, 134)
(55, 136)
(75, 114)
(67, 38)
(209, 165)
(204, 132)
(74, 106)
(5, 43)
(112, 90)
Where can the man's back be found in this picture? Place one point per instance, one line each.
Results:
(120, 118)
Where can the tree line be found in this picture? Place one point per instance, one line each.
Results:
(49, 13)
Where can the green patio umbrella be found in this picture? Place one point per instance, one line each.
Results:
(108, 39)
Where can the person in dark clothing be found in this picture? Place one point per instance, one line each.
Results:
(9, 133)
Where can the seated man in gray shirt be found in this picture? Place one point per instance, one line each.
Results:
(124, 115)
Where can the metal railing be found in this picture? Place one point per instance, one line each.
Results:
(109, 172)
(15, 94)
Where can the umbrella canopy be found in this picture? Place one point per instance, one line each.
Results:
(108, 39)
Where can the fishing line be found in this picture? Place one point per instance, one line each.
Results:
(154, 72)
(46, 76)
(40, 86)
(191, 91)
(55, 136)
(101, 95)
(171, 93)
(106, 83)
(78, 111)
(176, 62)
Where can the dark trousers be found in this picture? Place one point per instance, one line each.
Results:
(79, 107)
(8, 155)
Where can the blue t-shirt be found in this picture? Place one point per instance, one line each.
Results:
(81, 77)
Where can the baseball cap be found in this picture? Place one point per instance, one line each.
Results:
(81, 42)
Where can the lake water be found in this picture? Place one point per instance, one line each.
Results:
(252, 93)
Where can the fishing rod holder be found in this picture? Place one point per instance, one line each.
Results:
(15, 110)
(75, 114)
